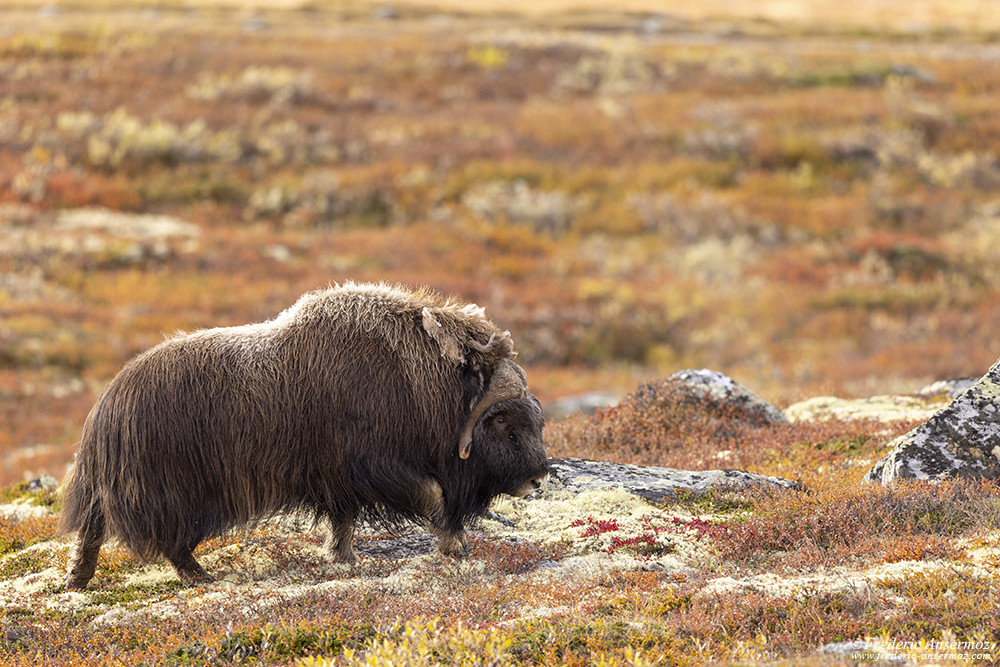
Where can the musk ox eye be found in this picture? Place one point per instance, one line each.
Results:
(501, 420)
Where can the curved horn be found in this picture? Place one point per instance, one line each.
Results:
(507, 382)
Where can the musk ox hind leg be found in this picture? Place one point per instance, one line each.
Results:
(340, 543)
(188, 569)
(83, 560)
(452, 540)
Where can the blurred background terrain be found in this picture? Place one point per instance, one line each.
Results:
(802, 195)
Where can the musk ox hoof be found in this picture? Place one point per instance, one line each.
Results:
(461, 552)
(79, 576)
(196, 578)
(340, 545)
(73, 585)
(188, 569)
(350, 558)
(455, 544)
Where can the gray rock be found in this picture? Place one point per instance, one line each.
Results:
(409, 545)
(43, 482)
(961, 440)
(653, 483)
(717, 389)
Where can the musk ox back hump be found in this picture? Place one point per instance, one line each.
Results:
(404, 320)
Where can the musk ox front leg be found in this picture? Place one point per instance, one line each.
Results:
(452, 540)
(188, 569)
(340, 543)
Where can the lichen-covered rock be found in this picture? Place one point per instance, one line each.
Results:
(653, 483)
(717, 390)
(959, 441)
(581, 476)
(688, 420)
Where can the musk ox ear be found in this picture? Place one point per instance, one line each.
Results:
(508, 381)
(451, 347)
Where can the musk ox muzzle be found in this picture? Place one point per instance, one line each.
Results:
(360, 400)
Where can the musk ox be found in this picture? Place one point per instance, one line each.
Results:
(360, 400)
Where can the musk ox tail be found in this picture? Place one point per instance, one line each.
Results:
(81, 514)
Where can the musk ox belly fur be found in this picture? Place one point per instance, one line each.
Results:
(359, 400)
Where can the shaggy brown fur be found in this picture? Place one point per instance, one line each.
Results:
(350, 403)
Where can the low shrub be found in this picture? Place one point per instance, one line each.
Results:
(834, 524)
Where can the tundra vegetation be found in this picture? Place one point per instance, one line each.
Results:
(806, 203)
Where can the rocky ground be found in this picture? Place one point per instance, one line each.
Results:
(548, 556)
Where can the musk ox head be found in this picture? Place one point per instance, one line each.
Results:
(501, 441)
(507, 447)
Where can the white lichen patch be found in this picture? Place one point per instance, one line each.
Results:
(838, 580)
(112, 616)
(45, 552)
(226, 597)
(403, 580)
(151, 575)
(124, 225)
(881, 408)
(875, 582)
(218, 593)
(599, 525)
(905, 568)
(984, 548)
(593, 566)
(68, 601)
(549, 519)
(539, 613)
(33, 582)
(334, 586)
(124, 237)
(52, 546)
(23, 508)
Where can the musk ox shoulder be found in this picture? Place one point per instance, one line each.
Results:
(360, 400)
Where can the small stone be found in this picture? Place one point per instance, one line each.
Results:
(43, 482)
